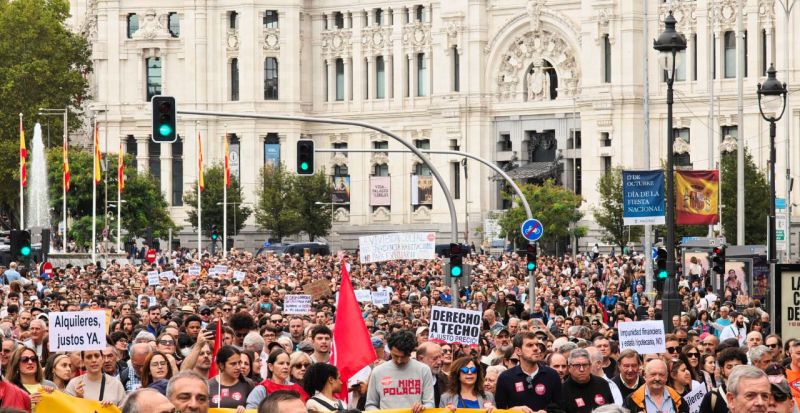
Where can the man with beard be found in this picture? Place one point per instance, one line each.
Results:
(199, 359)
(502, 343)
(715, 400)
(749, 390)
(430, 354)
(296, 330)
(582, 391)
(628, 379)
(655, 396)
(188, 391)
(528, 387)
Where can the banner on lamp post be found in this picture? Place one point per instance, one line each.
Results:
(643, 197)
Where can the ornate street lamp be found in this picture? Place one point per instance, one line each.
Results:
(772, 100)
(669, 44)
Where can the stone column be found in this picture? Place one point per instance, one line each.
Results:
(348, 79)
(142, 154)
(331, 64)
(371, 77)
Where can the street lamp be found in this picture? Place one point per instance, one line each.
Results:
(669, 44)
(772, 98)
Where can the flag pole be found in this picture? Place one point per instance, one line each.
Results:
(121, 182)
(225, 199)
(21, 185)
(199, 151)
(94, 192)
(64, 182)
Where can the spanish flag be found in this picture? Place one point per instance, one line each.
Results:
(121, 169)
(227, 164)
(697, 197)
(23, 156)
(97, 155)
(66, 167)
(200, 180)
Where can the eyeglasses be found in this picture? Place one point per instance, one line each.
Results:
(158, 363)
(226, 310)
(683, 340)
(302, 365)
(447, 351)
(515, 361)
(672, 350)
(693, 355)
(166, 342)
(31, 359)
(581, 366)
(279, 320)
(469, 370)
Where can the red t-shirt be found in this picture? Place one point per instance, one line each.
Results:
(272, 387)
(13, 396)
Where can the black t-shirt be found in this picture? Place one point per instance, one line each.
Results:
(611, 369)
(585, 397)
(515, 388)
(232, 396)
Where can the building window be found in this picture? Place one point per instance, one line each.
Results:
(578, 176)
(271, 78)
(131, 149)
(271, 19)
(380, 145)
(606, 59)
(409, 68)
(366, 78)
(419, 13)
(456, 69)
(504, 144)
(341, 145)
(234, 79)
(682, 133)
(380, 170)
(177, 173)
(379, 17)
(730, 54)
(553, 76)
(133, 24)
(380, 78)
(605, 139)
(338, 20)
(732, 131)
(606, 164)
(577, 143)
(325, 80)
(454, 145)
(680, 69)
(272, 150)
(174, 24)
(233, 20)
(694, 56)
(456, 183)
(763, 57)
(341, 170)
(744, 42)
(422, 74)
(714, 55)
(154, 159)
(339, 79)
(153, 77)
(424, 144)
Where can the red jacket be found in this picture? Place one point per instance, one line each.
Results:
(13, 396)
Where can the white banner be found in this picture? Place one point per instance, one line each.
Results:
(297, 304)
(454, 325)
(168, 275)
(152, 278)
(363, 296)
(238, 276)
(646, 337)
(398, 246)
(695, 397)
(381, 297)
(194, 270)
(221, 269)
(77, 330)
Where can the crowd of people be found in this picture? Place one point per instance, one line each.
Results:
(562, 355)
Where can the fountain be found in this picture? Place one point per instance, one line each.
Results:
(38, 205)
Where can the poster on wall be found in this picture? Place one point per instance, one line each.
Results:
(341, 190)
(421, 190)
(695, 264)
(380, 191)
(761, 280)
(787, 300)
(272, 154)
(737, 276)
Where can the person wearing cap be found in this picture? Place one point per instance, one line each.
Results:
(735, 330)
(422, 335)
(380, 350)
(502, 343)
(780, 398)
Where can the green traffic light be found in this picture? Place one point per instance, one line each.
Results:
(165, 130)
(25, 251)
(455, 271)
(214, 237)
(304, 166)
(663, 274)
(531, 266)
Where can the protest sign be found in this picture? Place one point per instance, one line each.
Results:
(77, 330)
(318, 289)
(453, 325)
(695, 397)
(297, 304)
(168, 275)
(194, 270)
(380, 297)
(398, 246)
(646, 337)
(238, 276)
(363, 296)
(152, 278)
(221, 269)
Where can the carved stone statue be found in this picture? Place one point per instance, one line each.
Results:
(538, 84)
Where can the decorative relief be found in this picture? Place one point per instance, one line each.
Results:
(766, 13)
(379, 158)
(272, 39)
(684, 11)
(452, 29)
(89, 27)
(337, 43)
(722, 14)
(422, 214)
(339, 138)
(376, 39)
(542, 14)
(381, 214)
(603, 21)
(341, 215)
(338, 159)
(232, 40)
(152, 27)
(681, 146)
(417, 36)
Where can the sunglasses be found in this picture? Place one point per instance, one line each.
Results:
(446, 351)
(772, 345)
(780, 396)
(693, 355)
(672, 350)
(167, 342)
(302, 365)
(26, 359)
(469, 370)
(226, 309)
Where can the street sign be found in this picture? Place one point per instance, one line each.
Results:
(267, 244)
(47, 269)
(151, 255)
(655, 253)
(532, 229)
(780, 203)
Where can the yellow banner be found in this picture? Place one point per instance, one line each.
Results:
(439, 410)
(60, 402)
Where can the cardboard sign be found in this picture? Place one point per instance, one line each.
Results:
(646, 337)
(238, 276)
(152, 278)
(194, 270)
(381, 297)
(297, 304)
(695, 397)
(318, 289)
(363, 296)
(454, 325)
(397, 246)
(77, 330)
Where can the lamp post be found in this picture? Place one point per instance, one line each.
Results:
(669, 44)
(772, 98)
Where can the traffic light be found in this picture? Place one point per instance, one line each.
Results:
(305, 157)
(530, 254)
(214, 233)
(21, 244)
(718, 260)
(661, 264)
(164, 119)
(456, 260)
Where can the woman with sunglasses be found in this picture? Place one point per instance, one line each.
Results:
(279, 367)
(466, 387)
(691, 355)
(298, 363)
(25, 372)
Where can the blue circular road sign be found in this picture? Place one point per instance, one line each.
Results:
(532, 229)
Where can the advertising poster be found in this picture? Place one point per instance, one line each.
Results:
(787, 297)
(421, 190)
(380, 191)
(272, 154)
(341, 190)
(695, 264)
(643, 197)
(737, 275)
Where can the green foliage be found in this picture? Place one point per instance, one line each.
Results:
(316, 220)
(212, 202)
(553, 205)
(42, 65)
(276, 210)
(609, 214)
(756, 199)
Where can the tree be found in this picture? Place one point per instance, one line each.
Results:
(553, 205)
(309, 190)
(43, 64)
(757, 197)
(212, 195)
(276, 211)
(609, 214)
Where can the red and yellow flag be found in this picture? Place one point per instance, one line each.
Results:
(121, 169)
(66, 167)
(97, 155)
(227, 164)
(696, 197)
(200, 180)
(23, 156)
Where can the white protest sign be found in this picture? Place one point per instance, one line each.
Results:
(297, 304)
(398, 246)
(695, 397)
(77, 330)
(380, 297)
(238, 276)
(194, 270)
(363, 296)
(646, 337)
(167, 274)
(150, 301)
(221, 269)
(152, 278)
(454, 325)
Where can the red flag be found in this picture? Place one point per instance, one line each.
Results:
(66, 168)
(350, 334)
(213, 371)
(227, 164)
(23, 155)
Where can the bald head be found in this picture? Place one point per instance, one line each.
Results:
(655, 375)
(430, 354)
